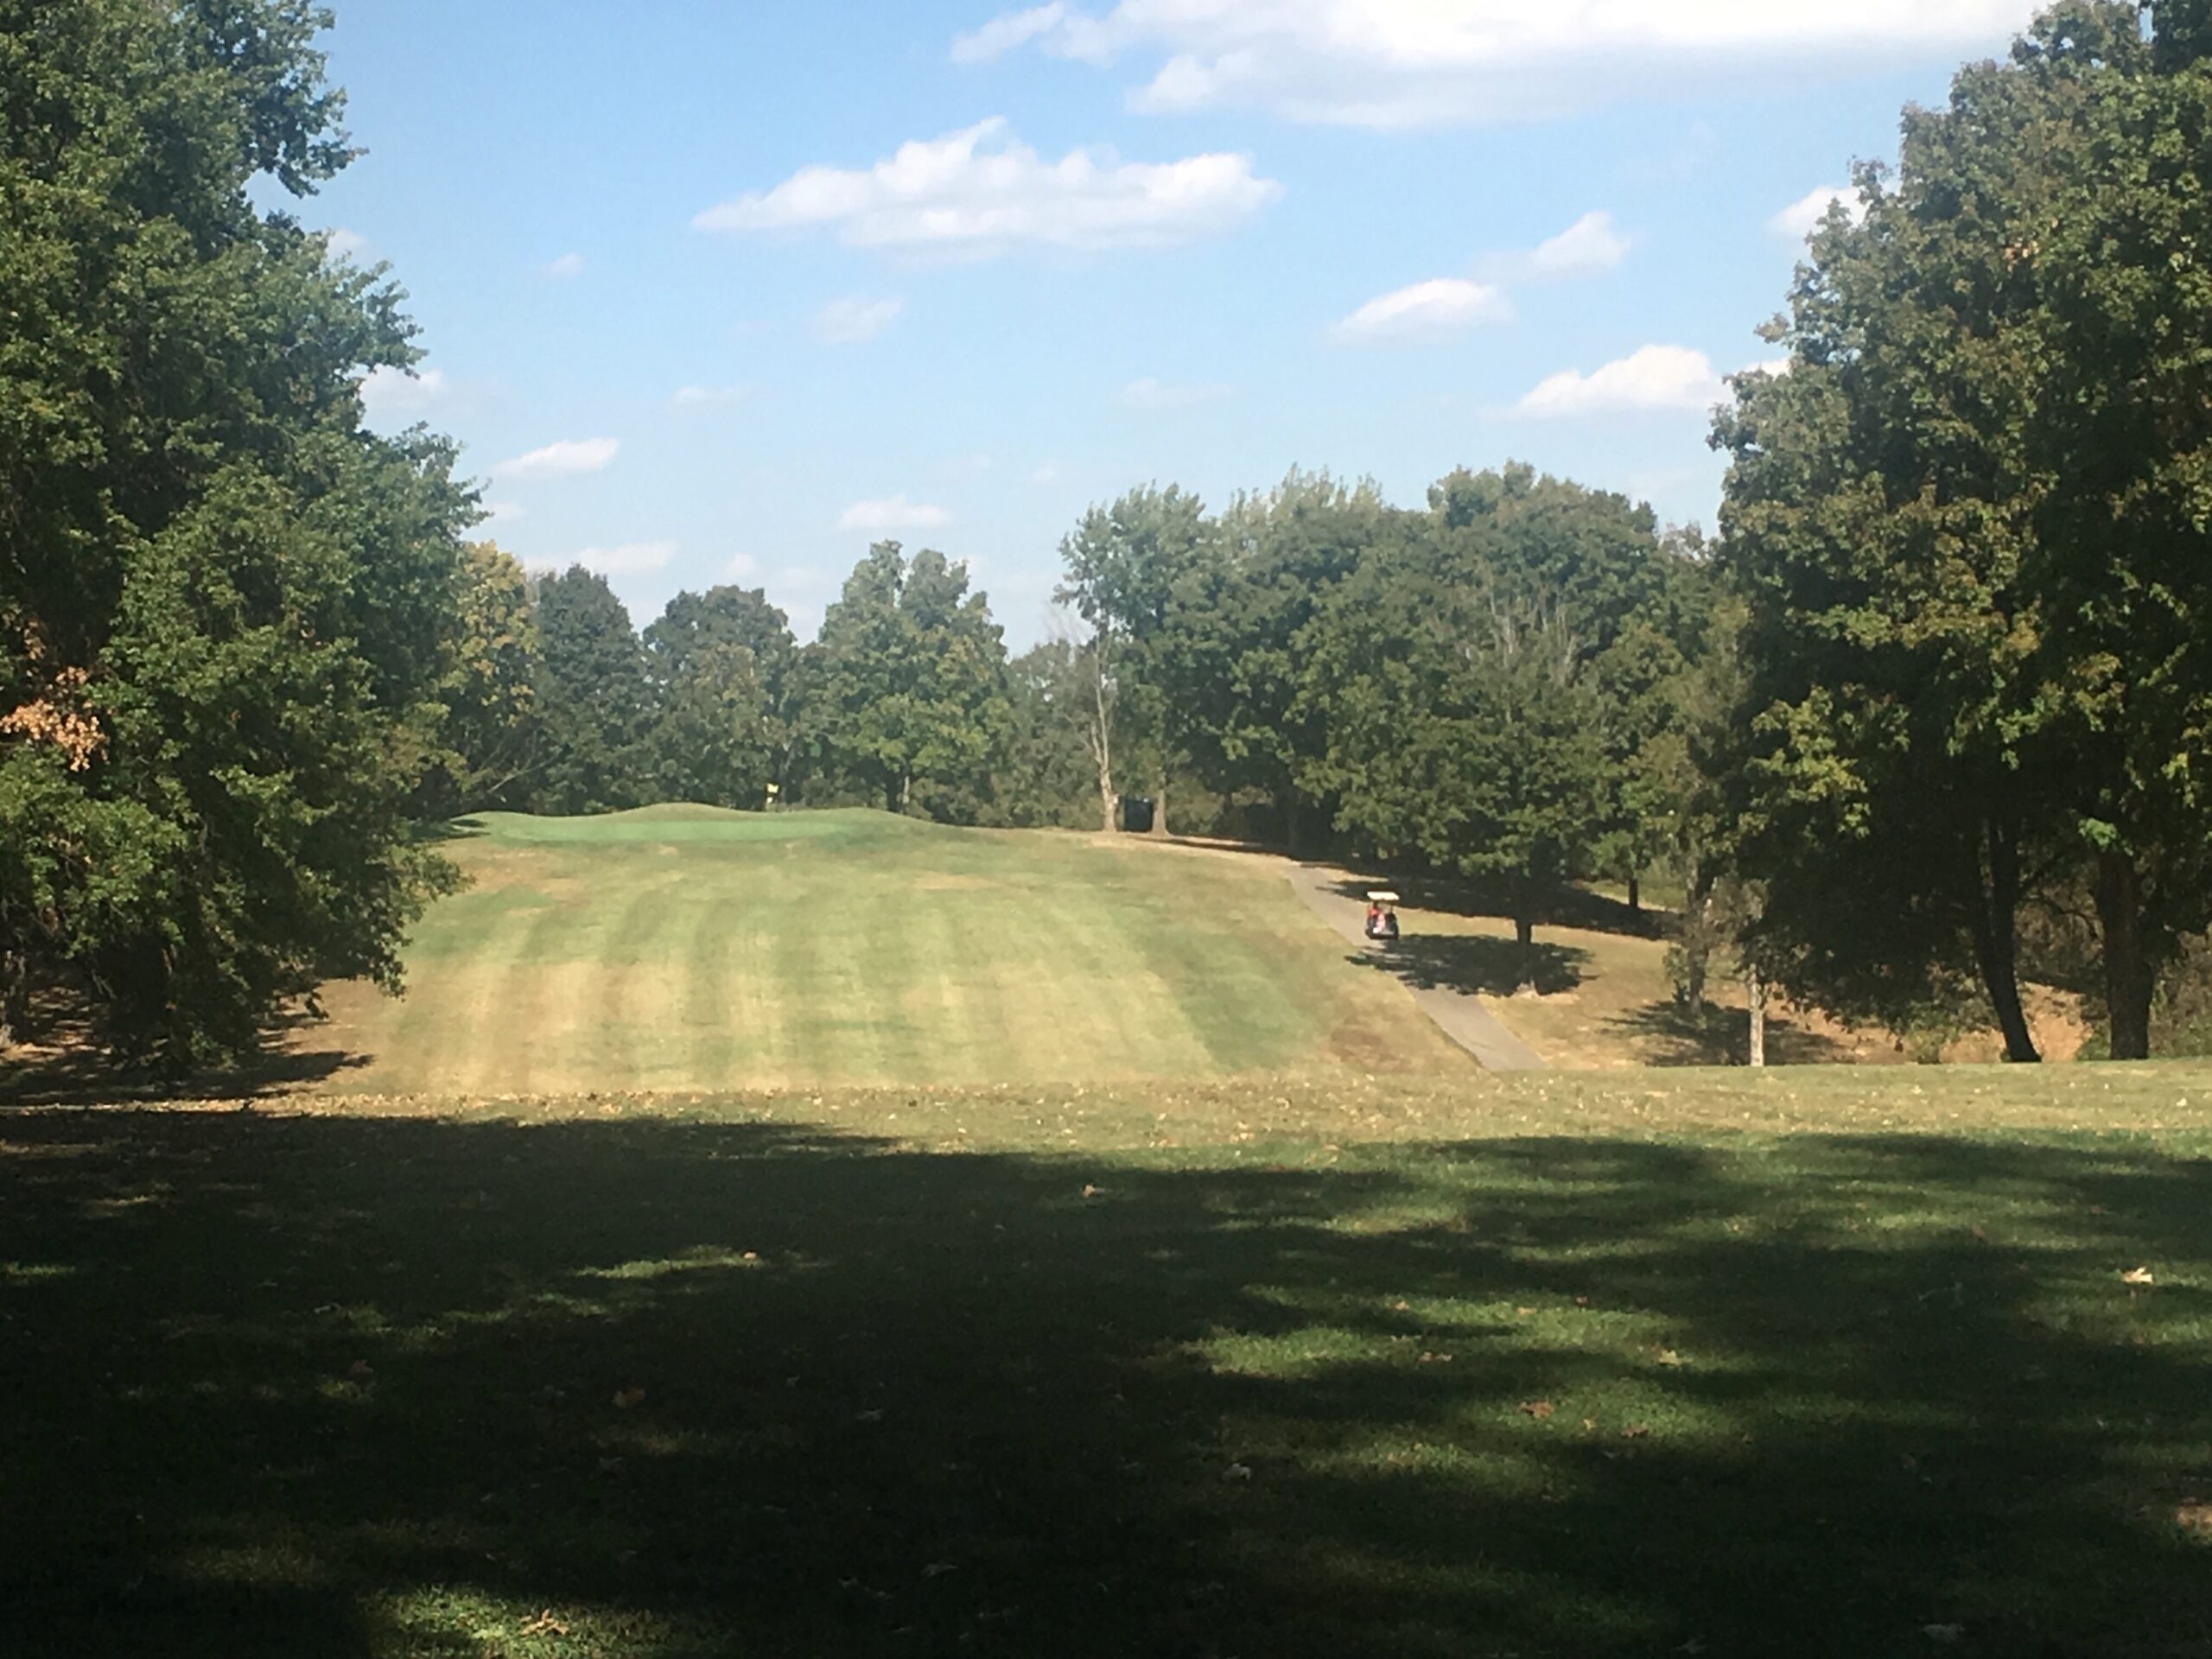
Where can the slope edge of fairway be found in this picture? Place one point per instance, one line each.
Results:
(688, 949)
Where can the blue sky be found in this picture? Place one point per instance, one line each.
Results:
(713, 291)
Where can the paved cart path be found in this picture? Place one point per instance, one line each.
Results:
(1460, 1015)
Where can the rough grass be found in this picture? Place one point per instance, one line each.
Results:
(1907, 1362)
(687, 948)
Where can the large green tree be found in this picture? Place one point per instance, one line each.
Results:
(1126, 569)
(1971, 526)
(720, 664)
(1461, 720)
(594, 704)
(490, 738)
(905, 692)
(1233, 640)
(224, 607)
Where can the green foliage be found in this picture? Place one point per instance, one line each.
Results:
(222, 606)
(1047, 775)
(721, 665)
(905, 696)
(1461, 719)
(490, 691)
(1126, 568)
(1970, 526)
(1274, 559)
(594, 703)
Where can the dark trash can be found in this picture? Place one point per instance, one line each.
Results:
(1136, 815)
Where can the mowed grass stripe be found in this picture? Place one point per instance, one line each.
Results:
(791, 950)
(1108, 1001)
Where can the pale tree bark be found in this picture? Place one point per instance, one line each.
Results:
(1159, 808)
(1755, 987)
(1100, 734)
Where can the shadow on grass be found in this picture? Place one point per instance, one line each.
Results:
(69, 1067)
(1472, 963)
(1563, 907)
(366, 1387)
(1719, 1036)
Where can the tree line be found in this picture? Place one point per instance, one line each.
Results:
(1929, 717)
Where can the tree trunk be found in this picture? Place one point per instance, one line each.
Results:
(1995, 927)
(2131, 975)
(1524, 935)
(15, 998)
(1697, 946)
(1159, 809)
(1102, 742)
(1754, 988)
(1635, 893)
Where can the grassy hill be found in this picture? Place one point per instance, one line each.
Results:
(685, 948)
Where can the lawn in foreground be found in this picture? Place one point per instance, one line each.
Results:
(682, 948)
(721, 1380)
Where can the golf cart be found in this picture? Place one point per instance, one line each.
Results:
(1382, 918)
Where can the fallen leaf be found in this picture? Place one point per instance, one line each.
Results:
(626, 1398)
(1636, 1431)
(1538, 1409)
(2136, 1276)
(1668, 1356)
(1236, 1471)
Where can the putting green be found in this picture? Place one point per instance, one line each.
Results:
(685, 948)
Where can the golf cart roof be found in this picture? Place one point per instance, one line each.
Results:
(1381, 897)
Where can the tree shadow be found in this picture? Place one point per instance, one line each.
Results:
(1476, 964)
(469, 828)
(1562, 907)
(1722, 1036)
(365, 1387)
(71, 1067)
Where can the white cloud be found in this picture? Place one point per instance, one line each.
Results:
(1047, 472)
(567, 459)
(1802, 217)
(1656, 377)
(897, 513)
(742, 566)
(349, 245)
(847, 322)
(1427, 310)
(708, 396)
(1153, 394)
(980, 192)
(568, 265)
(1068, 32)
(1445, 305)
(396, 394)
(1589, 246)
(505, 512)
(1405, 63)
(630, 559)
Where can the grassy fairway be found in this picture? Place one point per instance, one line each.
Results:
(1562, 1370)
(686, 949)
